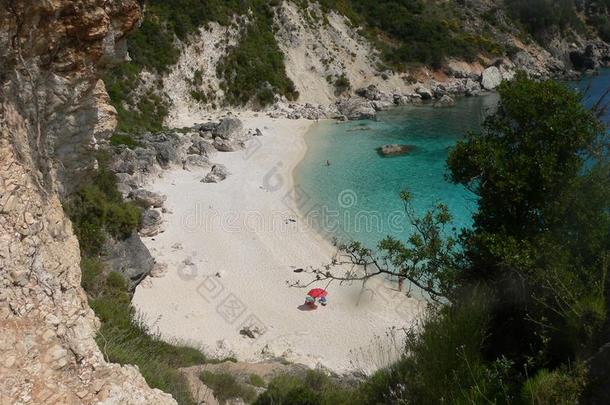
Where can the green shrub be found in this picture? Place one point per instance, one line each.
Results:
(315, 388)
(257, 380)
(97, 210)
(444, 363)
(254, 69)
(342, 84)
(285, 390)
(559, 387)
(124, 139)
(91, 272)
(226, 387)
(419, 31)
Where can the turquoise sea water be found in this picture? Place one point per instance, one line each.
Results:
(357, 195)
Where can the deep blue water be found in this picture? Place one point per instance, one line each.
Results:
(357, 196)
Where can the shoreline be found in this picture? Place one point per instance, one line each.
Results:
(247, 261)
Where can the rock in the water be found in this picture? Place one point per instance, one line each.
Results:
(401, 99)
(356, 108)
(217, 174)
(382, 105)
(491, 78)
(151, 223)
(472, 88)
(395, 150)
(445, 101)
(147, 199)
(424, 92)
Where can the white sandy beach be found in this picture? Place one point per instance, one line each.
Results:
(241, 229)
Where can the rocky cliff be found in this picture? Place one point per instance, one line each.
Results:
(328, 56)
(51, 108)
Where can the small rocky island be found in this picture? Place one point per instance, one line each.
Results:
(395, 150)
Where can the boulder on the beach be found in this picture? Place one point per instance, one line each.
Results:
(356, 108)
(151, 223)
(216, 175)
(228, 145)
(229, 128)
(491, 78)
(200, 146)
(147, 199)
(129, 257)
(395, 149)
(169, 147)
(195, 162)
(445, 101)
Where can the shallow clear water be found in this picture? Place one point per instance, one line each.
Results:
(357, 195)
(594, 87)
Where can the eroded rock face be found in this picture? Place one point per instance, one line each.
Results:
(51, 105)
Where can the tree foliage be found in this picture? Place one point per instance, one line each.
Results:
(254, 69)
(539, 16)
(97, 211)
(418, 31)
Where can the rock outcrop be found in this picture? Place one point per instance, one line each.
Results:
(129, 257)
(356, 108)
(216, 175)
(444, 101)
(51, 106)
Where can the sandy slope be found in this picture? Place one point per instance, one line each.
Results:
(241, 229)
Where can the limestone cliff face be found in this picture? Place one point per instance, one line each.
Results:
(51, 105)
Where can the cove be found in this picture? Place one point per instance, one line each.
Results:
(357, 195)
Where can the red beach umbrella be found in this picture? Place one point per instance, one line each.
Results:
(317, 293)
